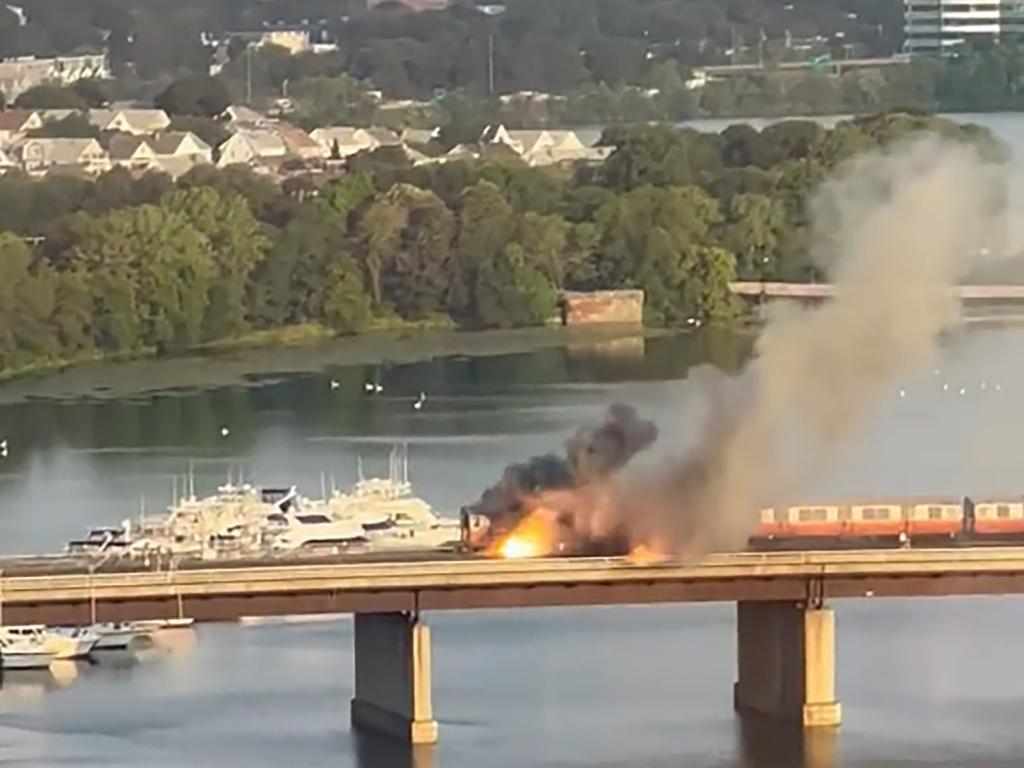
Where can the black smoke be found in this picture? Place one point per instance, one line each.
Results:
(592, 455)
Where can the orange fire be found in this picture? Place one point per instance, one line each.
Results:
(534, 536)
(642, 554)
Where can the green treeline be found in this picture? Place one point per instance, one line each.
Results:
(122, 267)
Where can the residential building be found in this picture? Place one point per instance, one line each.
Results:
(182, 144)
(543, 147)
(39, 156)
(419, 136)
(140, 122)
(131, 152)
(16, 123)
(293, 40)
(7, 163)
(384, 137)
(938, 26)
(20, 74)
(252, 146)
(300, 144)
(342, 141)
(240, 116)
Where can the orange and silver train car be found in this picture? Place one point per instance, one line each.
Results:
(936, 519)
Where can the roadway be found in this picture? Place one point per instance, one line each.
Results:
(219, 593)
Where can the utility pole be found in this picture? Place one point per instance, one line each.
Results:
(490, 64)
(248, 74)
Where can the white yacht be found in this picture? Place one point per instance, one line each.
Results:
(314, 531)
(24, 653)
(117, 635)
(62, 643)
(151, 625)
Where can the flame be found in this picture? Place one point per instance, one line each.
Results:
(533, 536)
(642, 554)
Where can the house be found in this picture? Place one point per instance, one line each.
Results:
(544, 147)
(239, 116)
(182, 144)
(252, 146)
(131, 152)
(300, 144)
(16, 123)
(292, 40)
(17, 75)
(384, 137)
(342, 141)
(141, 122)
(53, 115)
(419, 136)
(41, 155)
(7, 163)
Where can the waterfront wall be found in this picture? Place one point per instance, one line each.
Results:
(624, 307)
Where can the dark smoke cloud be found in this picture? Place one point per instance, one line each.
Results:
(592, 455)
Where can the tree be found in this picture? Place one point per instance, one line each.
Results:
(752, 232)
(379, 231)
(50, 97)
(510, 292)
(195, 95)
(74, 126)
(543, 240)
(486, 225)
(238, 245)
(152, 271)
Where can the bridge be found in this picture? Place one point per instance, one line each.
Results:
(980, 302)
(785, 631)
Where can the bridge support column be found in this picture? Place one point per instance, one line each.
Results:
(786, 662)
(392, 677)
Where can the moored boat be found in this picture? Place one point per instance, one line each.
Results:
(24, 653)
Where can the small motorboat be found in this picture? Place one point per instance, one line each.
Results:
(24, 653)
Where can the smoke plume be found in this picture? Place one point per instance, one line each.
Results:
(896, 230)
(591, 457)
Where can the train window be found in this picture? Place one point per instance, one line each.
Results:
(780, 515)
(1003, 511)
(845, 514)
(934, 513)
(813, 514)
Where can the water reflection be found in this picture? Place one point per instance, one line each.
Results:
(764, 743)
(374, 751)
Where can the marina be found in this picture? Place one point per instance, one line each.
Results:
(240, 521)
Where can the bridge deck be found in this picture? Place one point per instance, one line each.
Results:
(226, 593)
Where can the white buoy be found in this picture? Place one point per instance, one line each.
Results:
(368, 386)
(334, 384)
(224, 431)
(984, 386)
(418, 405)
(945, 387)
(998, 387)
(378, 388)
(963, 390)
(903, 393)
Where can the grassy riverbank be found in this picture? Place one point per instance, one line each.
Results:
(261, 357)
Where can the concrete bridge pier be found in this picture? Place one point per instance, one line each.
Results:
(392, 677)
(786, 662)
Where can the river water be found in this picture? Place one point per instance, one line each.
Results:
(922, 682)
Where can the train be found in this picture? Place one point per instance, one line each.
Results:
(950, 521)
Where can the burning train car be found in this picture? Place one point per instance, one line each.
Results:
(551, 504)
